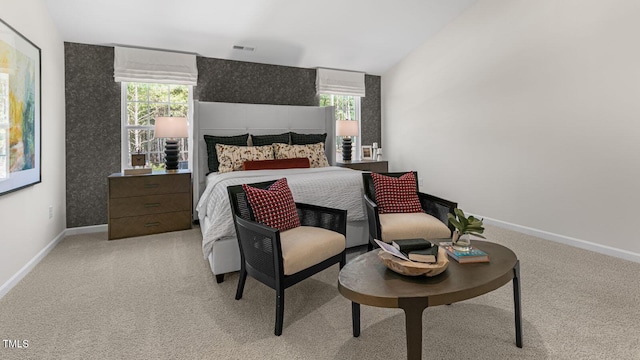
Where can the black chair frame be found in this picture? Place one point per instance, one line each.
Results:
(432, 205)
(261, 250)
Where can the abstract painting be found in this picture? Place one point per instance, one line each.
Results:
(19, 111)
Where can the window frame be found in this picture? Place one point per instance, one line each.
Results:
(125, 127)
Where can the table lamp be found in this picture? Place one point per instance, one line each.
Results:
(171, 128)
(346, 128)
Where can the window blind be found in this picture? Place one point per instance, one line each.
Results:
(152, 66)
(339, 82)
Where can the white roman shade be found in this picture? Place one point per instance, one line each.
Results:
(339, 82)
(152, 66)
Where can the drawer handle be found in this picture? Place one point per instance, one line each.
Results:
(152, 224)
(151, 205)
(149, 186)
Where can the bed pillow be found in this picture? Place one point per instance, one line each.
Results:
(238, 140)
(232, 157)
(261, 140)
(314, 152)
(396, 195)
(296, 163)
(274, 206)
(305, 139)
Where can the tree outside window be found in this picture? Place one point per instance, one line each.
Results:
(143, 104)
(346, 108)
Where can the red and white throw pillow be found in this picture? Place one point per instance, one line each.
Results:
(396, 195)
(273, 207)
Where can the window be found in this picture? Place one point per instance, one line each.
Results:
(347, 108)
(142, 103)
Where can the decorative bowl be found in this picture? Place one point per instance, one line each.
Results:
(415, 268)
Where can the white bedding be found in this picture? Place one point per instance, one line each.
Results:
(334, 187)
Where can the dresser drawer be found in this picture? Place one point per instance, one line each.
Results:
(149, 224)
(151, 204)
(126, 186)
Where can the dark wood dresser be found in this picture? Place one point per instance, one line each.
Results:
(149, 204)
(378, 166)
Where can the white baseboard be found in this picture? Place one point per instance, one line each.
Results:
(583, 244)
(87, 229)
(15, 279)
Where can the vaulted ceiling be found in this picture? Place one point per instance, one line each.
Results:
(358, 35)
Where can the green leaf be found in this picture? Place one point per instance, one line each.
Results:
(455, 224)
(478, 235)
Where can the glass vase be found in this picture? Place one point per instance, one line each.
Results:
(461, 242)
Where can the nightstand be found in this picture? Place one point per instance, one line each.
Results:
(378, 166)
(149, 204)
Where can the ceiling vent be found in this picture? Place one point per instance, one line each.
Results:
(243, 48)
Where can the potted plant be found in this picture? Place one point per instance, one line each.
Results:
(465, 226)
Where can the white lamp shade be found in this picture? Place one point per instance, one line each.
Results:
(171, 127)
(346, 128)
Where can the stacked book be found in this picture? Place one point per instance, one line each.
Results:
(420, 250)
(473, 255)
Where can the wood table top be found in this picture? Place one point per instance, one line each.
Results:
(366, 280)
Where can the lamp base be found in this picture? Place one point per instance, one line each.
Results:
(346, 149)
(171, 154)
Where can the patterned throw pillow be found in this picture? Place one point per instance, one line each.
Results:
(306, 139)
(396, 195)
(232, 157)
(212, 141)
(315, 153)
(261, 140)
(273, 207)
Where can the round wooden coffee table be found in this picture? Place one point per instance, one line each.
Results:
(366, 280)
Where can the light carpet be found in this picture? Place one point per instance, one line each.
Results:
(154, 297)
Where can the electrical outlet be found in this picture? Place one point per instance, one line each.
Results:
(420, 181)
(50, 212)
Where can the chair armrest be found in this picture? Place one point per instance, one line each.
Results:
(437, 207)
(259, 246)
(373, 218)
(324, 217)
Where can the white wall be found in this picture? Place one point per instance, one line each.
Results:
(25, 228)
(527, 112)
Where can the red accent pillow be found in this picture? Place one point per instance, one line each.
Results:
(295, 163)
(396, 195)
(273, 207)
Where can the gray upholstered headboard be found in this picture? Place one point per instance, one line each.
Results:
(225, 119)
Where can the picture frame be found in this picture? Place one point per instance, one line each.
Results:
(366, 153)
(20, 111)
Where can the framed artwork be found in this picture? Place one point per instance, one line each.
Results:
(20, 143)
(367, 152)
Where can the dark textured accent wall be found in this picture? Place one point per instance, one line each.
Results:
(93, 110)
(93, 106)
(251, 83)
(370, 112)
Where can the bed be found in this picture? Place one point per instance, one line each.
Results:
(330, 186)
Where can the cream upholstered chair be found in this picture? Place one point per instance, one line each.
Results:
(280, 259)
(429, 223)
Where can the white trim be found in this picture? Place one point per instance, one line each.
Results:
(87, 229)
(583, 244)
(15, 279)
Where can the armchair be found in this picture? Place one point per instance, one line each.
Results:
(282, 259)
(431, 224)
